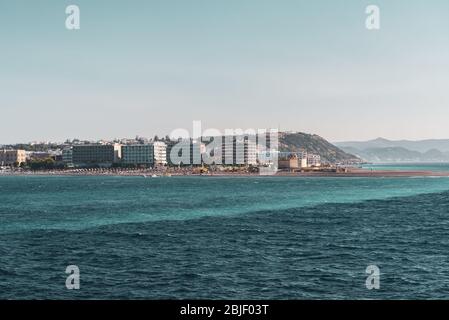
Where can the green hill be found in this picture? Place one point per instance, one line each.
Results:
(298, 141)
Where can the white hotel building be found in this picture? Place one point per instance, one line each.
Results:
(160, 153)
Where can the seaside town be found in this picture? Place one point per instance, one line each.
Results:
(158, 157)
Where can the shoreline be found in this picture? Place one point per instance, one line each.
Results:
(352, 173)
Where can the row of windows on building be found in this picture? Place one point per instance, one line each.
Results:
(186, 152)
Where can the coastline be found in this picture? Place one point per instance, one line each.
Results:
(356, 173)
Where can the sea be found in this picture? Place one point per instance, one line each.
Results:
(224, 237)
(411, 166)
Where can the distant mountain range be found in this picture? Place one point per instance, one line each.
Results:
(312, 143)
(383, 150)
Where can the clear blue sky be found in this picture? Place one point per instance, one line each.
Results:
(148, 67)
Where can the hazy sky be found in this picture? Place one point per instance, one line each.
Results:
(148, 67)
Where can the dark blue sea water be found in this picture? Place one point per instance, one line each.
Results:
(231, 238)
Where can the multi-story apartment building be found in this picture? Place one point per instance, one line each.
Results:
(302, 158)
(171, 161)
(222, 150)
(12, 157)
(160, 152)
(103, 155)
(239, 150)
(185, 152)
(313, 160)
(67, 157)
(251, 151)
(138, 154)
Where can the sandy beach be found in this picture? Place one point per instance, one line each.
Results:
(187, 172)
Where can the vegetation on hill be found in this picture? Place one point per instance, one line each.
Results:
(298, 141)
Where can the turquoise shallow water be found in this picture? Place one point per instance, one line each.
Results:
(72, 203)
(436, 167)
(227, 237)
